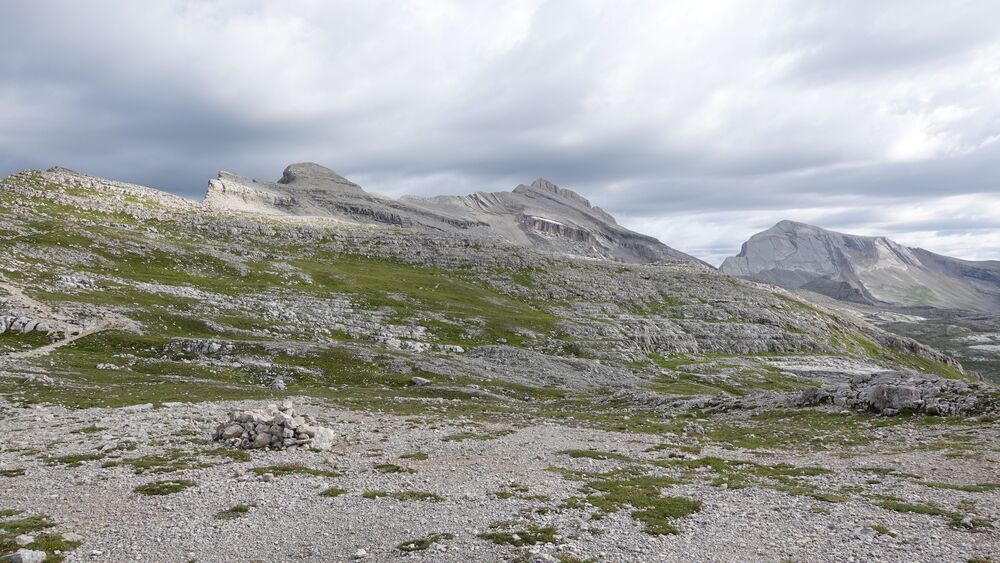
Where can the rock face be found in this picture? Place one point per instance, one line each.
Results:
(541, 215)
(23, 325)
(871, 270)
(276, 428)
(892, 393)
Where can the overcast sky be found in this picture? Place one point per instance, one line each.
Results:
(697, 122)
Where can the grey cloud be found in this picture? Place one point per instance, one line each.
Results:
(844, 40)
(799, 108)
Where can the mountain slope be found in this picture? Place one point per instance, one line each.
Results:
(873, 270)
(541, 216)
(303, 299)
(479, 390)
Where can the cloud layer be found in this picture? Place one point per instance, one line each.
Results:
(697, 124)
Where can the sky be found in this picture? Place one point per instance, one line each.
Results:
(699, 123)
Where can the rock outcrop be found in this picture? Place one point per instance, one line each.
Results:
(892, 393)
(871, 270)
(24, 325)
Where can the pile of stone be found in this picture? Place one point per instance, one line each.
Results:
(277, 427)
(892, 393)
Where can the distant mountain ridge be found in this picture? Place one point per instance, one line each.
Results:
(873, 270)
(541, 215)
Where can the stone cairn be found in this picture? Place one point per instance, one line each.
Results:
(277, 427)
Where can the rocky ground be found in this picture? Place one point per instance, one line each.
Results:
(488, 490)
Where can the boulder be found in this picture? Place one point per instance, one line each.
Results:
(323, 439)
(25, 556)
(812, 396)
(232, 431)
(894, 398)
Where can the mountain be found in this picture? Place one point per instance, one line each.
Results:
(541, 215)
(408, 376)
(320, 261)
(871, 270)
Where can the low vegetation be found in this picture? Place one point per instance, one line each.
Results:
(164, 487)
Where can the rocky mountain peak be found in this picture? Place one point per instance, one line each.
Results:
(547, 188)
(543, 184)
(874, 270)
(787, 225)
(309, 174)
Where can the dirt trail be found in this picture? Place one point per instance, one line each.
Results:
(17, 295)
(108, 322)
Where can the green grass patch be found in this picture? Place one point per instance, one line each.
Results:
(423, 543)
(289, 469)
(882, 530)
(26, 525)
(392, 468)
(954, 518)
(520, 537)
(973, 488)
(406, 496)
(167, 462)
(642, 493)
(417, 496)
(233, 512)
(92, 429)
(796, 429)
(482, 436)
(73, 460)
(595, 454)
(164, 487)
(55, 547)
(332, 492)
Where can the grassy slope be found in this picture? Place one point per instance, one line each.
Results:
(456, 306)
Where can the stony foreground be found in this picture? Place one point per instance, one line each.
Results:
(143, 483)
